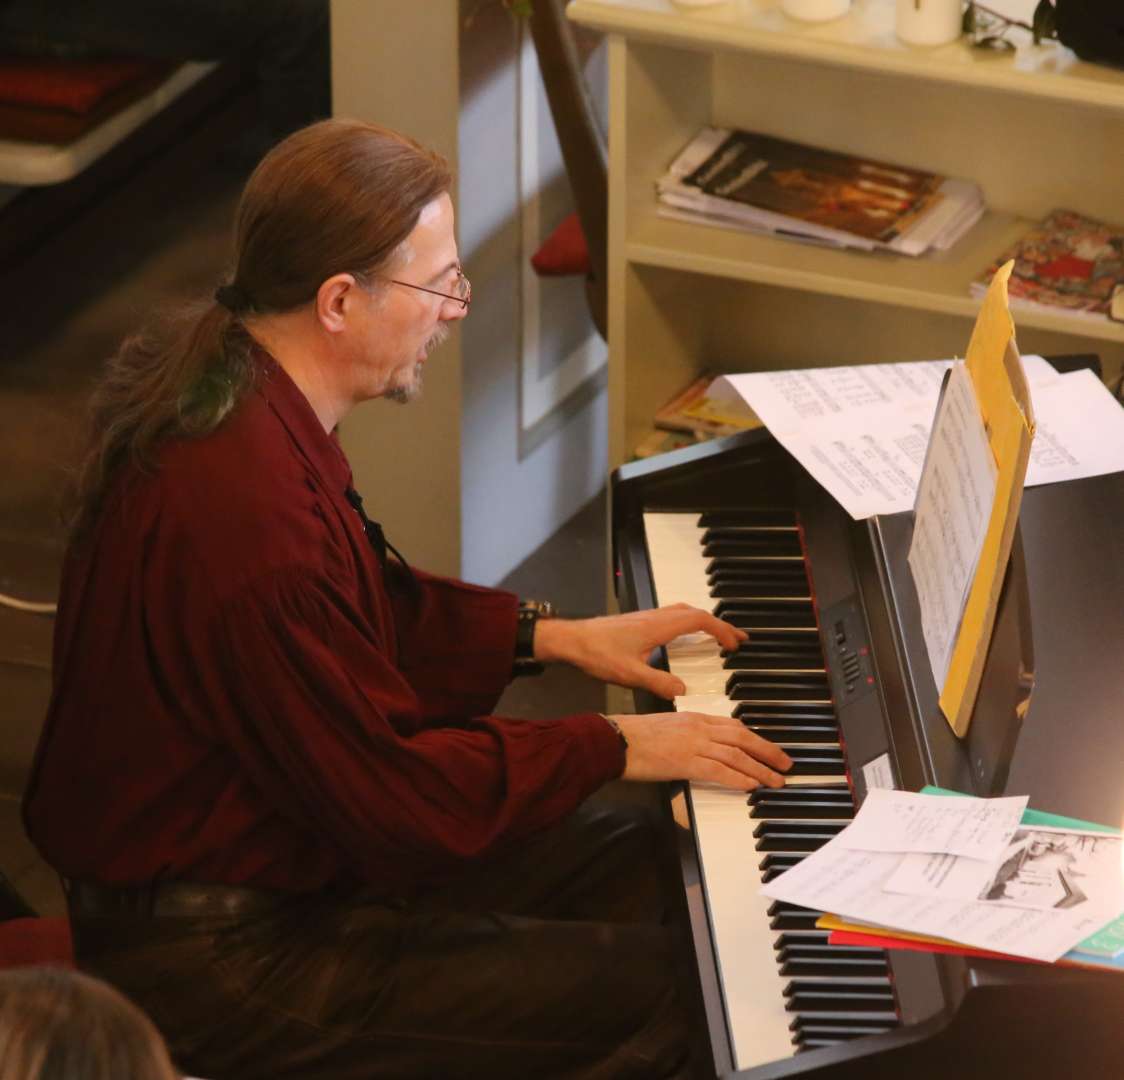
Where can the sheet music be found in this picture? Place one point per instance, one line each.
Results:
(954, 504)
(862, 431)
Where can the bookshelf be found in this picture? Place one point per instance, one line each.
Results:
(1037, 130)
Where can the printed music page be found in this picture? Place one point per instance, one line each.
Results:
(954, 504)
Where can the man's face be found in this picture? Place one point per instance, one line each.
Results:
(401, 325)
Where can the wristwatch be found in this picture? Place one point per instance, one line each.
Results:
(529, 613)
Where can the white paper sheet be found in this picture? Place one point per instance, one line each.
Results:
(951, 877)
(902, 821)
(954, 503)
(862, 431)
(852, 883)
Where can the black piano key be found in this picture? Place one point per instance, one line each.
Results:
(790, 845)
(750, 544)
(771, 873)
(831, 955)
(780, 685)
(781, 923)
(775, 861)
(816, 830)
(759, 659)
(826, 1029)
(751, 712)
(828, 1010)
(821, 767)
(779, 518)
(802, 806)
(795, 735)
(795, 968)
(753, 616)
(783, 907)
(860, 991)
(800, 937)
(834, 792)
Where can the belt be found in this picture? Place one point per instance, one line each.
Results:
(170, 899)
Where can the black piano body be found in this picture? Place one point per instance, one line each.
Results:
(1063, 605)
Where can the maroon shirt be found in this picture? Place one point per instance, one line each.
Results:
(240, 698)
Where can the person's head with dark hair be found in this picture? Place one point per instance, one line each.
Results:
(331, 219)
(58, 1024)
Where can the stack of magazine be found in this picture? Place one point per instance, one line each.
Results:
(1066, 263)
(766, 185)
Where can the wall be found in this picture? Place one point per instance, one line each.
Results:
(534, 416)
(509, 439)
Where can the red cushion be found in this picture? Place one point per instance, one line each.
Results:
(564, 252)
(25, 942)
(75, 86)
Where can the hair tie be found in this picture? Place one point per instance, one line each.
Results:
(232, 298)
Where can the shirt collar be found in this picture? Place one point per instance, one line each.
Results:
(321, 449)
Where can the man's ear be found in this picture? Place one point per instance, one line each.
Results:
(333, 298)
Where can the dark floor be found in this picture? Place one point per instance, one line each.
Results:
(158, 237)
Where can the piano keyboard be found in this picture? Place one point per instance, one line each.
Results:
(784, 987)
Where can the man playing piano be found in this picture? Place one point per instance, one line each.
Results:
(289, 828)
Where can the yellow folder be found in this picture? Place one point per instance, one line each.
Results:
(1004, 400)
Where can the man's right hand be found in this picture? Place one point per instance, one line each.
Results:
(696, 746)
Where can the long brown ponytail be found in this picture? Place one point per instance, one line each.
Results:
(340, 195)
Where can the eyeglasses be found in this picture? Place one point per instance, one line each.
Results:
(462, 296)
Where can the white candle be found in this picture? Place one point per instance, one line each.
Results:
(928, 22)
(815, 10)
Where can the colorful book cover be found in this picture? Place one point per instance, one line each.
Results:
(871, 199)
(1067, 261)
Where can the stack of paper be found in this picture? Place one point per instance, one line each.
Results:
(967, 872)
(743, 180)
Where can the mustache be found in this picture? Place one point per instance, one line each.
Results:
(437, 338)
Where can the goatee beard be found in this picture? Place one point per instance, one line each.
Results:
(405, 392)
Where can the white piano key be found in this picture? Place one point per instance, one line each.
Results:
(752, 987)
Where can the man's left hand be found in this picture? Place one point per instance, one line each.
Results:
(615, 648)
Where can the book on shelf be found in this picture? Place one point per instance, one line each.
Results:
(693, 416)
(696, 411)
(1065, 263)
(767, 185)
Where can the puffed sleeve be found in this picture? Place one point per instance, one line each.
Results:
(329, 731)
(456, 642)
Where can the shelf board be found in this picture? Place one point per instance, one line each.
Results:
(862, 39)
(937, 282)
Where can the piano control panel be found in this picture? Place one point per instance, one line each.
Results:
(847, 647)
